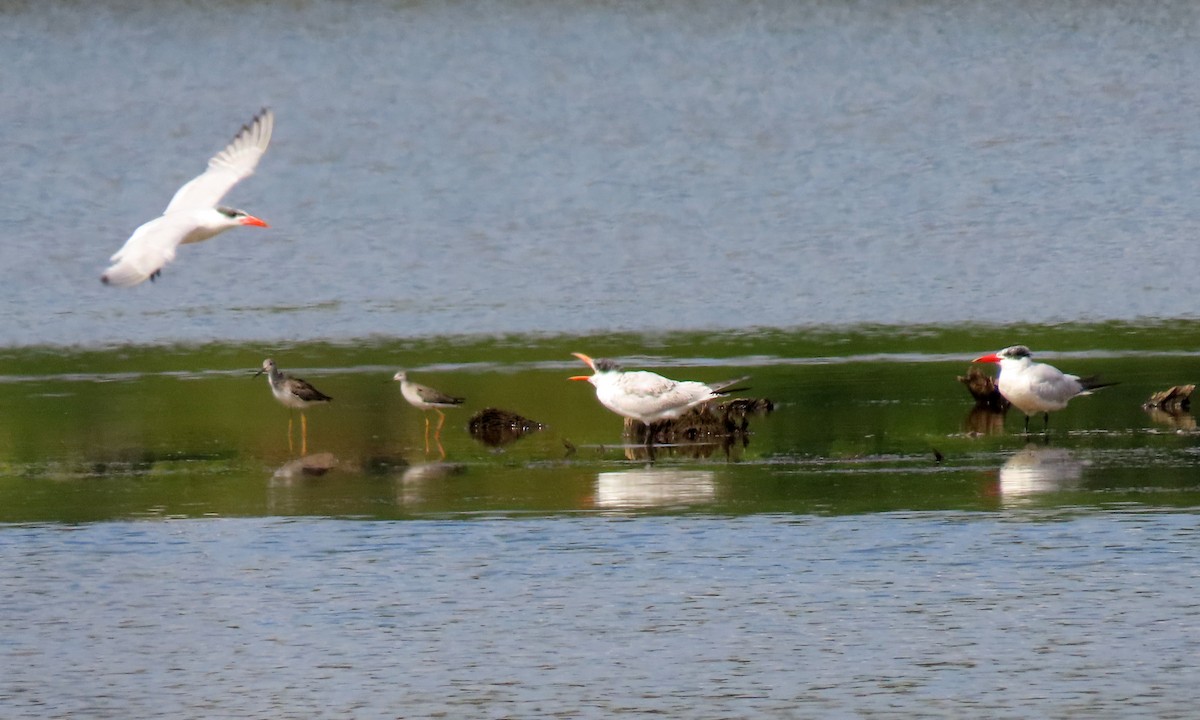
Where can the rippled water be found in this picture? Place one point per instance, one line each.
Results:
(446, 168)
(472, 191)
(1004, 615)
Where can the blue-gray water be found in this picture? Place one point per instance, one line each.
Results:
(444, 168)
(986, 615)
(542, 169)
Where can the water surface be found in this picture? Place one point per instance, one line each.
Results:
(846, 202)
(444, 168)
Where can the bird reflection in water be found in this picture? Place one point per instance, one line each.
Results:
(1039, 469)
(307, 466)
(414, 484)
(655, 487)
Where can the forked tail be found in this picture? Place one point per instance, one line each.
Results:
(1093, 382)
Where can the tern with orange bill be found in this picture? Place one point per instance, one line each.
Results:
(193, 215)
(646, 396)
(1034, 387)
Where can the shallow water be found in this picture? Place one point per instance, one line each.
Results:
(845, 202)
(871, 548)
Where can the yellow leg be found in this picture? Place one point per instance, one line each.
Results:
(290, 446)
(303, 434)
(426, 434)
(437, 435)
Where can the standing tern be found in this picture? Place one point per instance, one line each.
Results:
(425, 398)
(294, 394)
(1036, 387)
(193, 215)
(645, 396)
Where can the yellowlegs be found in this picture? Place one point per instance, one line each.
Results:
(295, 394)
(425, 398)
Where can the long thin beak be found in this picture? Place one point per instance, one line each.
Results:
(580, 377)
(590, 363)
(256, 222)
(991, 357)
(260, 372)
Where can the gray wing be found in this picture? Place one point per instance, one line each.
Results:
(435, 397)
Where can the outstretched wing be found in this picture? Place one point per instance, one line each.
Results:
(146, 251)
(236, 162)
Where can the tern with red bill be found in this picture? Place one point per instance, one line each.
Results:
(193, 215)
(645, 396)
(1035, 387)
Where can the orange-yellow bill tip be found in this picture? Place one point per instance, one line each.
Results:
(580, 377)
(586, 359)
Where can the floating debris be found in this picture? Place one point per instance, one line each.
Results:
(983, 388)
(495, 427)
(1175, 399)
(1171, 408)
(709, 422)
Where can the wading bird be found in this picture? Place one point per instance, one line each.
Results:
(193, 215)
(425, 398)
(1034, 387)
(645, 396)
(295, 394)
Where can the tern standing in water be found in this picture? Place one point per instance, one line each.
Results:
(645, 396)
(294, 394)
(193, 215)
(1034, 387)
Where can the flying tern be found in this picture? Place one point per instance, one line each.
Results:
(194, 215)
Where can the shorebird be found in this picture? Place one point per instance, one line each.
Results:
(1034, 387)
(425, 398)
(193, 215)
(645, 396)
(294, 394)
